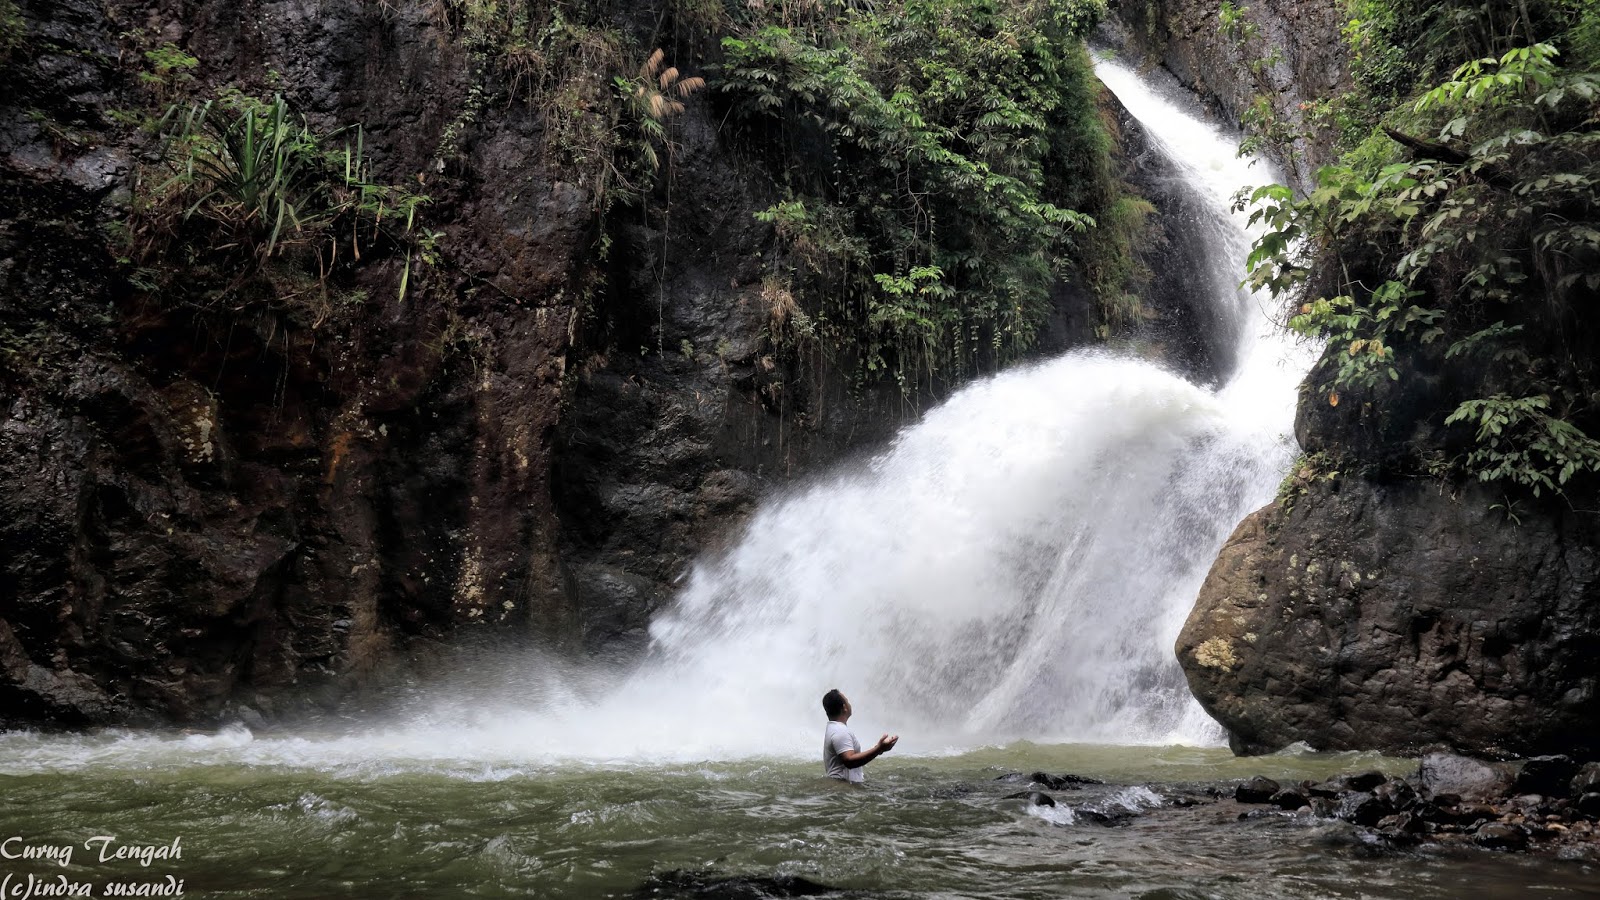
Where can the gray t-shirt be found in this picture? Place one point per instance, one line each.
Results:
(836, 740)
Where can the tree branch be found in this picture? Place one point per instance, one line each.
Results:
(1432, 149)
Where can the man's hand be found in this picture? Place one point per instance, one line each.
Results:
(887, 742)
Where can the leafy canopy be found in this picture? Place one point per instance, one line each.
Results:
(938, 156)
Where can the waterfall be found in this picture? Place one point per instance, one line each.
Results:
(1014, 567)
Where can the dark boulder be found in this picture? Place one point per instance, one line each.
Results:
(1587, 780)
(1476, 814)
(1319, 789)
(1034, 798)
(1288, 798)
(1394, 617)
(1365, 781)
(1589, 804)
(1548, 775)
(1405, 822)
(1501, 836)
(1062, 782)
(1396, 794)
(1106, 819)
(1259, 789)
(1362, 808)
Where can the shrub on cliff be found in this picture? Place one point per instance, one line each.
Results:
(240, 187)
(1460, 245)
(942, 159)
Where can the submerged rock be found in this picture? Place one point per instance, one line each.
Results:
(1063, 782)
(1034, 798)
(1500, 836)
(1099, 817)
(1048, 781)
(707, 885)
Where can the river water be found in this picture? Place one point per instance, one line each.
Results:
(1002, 586)
(924, 827)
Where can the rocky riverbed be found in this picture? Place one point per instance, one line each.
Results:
(1547, 805)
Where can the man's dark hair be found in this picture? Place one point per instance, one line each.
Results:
(833, 703)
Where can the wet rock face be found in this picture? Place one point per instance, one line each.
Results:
(246, 510)
(214, 511)
(678, 412)
(1397, 617)
(1289, 53)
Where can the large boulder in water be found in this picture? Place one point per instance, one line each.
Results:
(1353, 615)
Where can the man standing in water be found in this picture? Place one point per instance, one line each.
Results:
(842, 756)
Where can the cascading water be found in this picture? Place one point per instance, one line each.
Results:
(1016, 566)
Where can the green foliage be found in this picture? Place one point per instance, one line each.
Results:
(244, 179)
(13, 30)
(170, 67)
(1110, 266)
(1234, 22)
(1520, 442)
(1473, 247)
(563, 58)
(1263, 127)
(653, 97)
(938, 154)
(1367, 332)
(1398, 45)
(943, 161)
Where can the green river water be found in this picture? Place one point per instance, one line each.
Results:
(924, 827)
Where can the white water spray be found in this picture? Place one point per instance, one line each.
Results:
(1016, 566)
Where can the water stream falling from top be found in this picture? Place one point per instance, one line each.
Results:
(1015, 566)
(1018, 564)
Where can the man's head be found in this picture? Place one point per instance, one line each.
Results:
(836, 706)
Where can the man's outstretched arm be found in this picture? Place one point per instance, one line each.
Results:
(855, 759)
